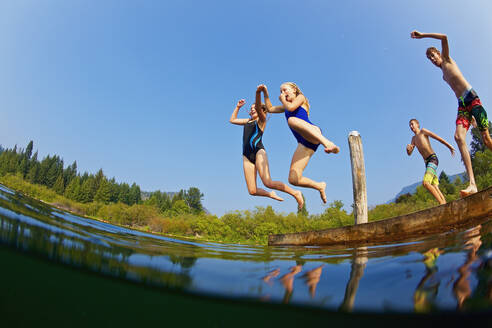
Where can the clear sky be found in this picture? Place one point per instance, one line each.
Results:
(144, 89)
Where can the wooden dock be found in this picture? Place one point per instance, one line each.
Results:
(459, 214)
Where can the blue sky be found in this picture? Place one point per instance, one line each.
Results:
(144, 89)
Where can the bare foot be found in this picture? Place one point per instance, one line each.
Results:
(299, 199)
(332, 148)
(275, 196)
(468, 191)
(322, 192)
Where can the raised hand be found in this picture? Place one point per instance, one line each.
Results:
(416, 35)
(410, 149)
(240, 103)
(260, 88)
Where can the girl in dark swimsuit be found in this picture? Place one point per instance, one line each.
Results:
(296, 108)
(254, 155)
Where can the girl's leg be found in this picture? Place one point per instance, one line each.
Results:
(250, 176)
(312, 133)
(264, 171)
(301, 157)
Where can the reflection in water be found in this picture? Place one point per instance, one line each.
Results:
(272, 274)
(317, 274)
(357, 271)
(287, 281)
(461, 287)
(427, 289)
(312, 278)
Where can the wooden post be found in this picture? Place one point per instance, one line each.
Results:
(358, 177)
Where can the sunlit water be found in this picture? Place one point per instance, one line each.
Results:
(451, 271)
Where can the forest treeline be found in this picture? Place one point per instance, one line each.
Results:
(182, 213)
(87, 188)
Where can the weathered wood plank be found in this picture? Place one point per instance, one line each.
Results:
(460, 213)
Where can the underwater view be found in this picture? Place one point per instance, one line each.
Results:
(440, 273)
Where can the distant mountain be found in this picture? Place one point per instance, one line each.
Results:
(413, 187)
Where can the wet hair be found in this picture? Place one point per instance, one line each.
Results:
(414, 120)
(297, 92)
(430, 50)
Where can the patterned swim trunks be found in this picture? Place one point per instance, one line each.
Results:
(430, 175)
(470, 105)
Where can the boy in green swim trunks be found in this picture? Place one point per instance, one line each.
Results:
(421, 141)
(469, 106)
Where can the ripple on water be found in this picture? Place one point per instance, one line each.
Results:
(440, 272)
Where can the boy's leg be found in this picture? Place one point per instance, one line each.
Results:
(482, 122)
(460, 137)
(434, 191)
(486, 139)
(264, 171)
(250, 176)
(300, 159)
(441, 196)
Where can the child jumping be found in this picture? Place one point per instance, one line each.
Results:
(296, 108)
(469, 104)
(421, 141)
(254, 154)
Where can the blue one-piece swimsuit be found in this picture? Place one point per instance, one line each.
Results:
(301, 113)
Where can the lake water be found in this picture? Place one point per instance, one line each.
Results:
(444, 272)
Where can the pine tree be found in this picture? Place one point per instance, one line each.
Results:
(70, 173)
(445, 185)
(113, 186)
(86, 194)
(98, 179)
(73, 189)
(135, 196)
(477, 144)
(53, 171)
(24, 167)
(124, 194)
(34, 173)
(103, 193)
(59, 186)
(443, 178)
(28, 152)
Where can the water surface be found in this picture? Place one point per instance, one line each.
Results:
(451, 271)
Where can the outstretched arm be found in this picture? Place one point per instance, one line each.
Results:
(438, 138)
(410, 147)
(234, 119)
(442, 37)
(268, 103)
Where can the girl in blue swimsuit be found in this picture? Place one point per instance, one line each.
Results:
(254, 156)
(296, 108)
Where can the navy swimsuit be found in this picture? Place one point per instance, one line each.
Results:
(301, 113)
(252, 136)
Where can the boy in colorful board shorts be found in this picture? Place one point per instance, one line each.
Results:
(469, 106)
(421, 141)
